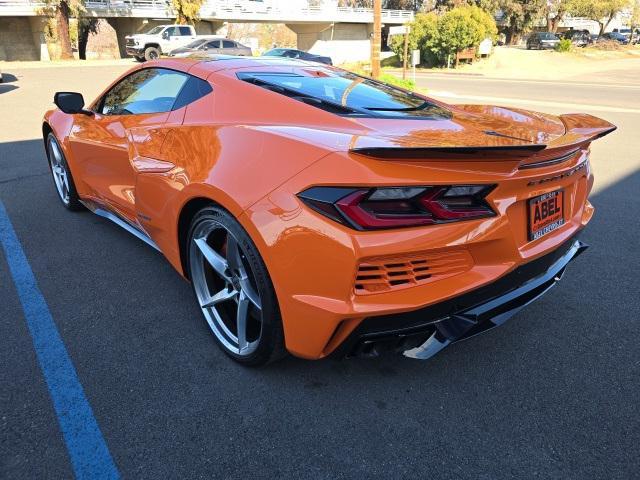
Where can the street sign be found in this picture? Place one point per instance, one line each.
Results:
(415, 58)
(399, 30)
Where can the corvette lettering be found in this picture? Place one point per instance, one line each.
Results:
(566, 174)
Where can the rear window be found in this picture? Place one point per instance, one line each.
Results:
(347, 93)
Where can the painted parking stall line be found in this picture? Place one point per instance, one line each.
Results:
(90, 457)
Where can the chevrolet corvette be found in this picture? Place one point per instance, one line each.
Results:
(318, 212)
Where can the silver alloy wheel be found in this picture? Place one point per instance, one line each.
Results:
(225, 288)
(59, 171)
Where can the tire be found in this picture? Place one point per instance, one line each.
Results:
(151, 53)
(61, 174)
(139, 59)
(236, 292)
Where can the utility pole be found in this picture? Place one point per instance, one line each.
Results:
(377, 38)
(406, 53)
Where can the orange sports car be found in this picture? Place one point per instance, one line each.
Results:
(319, 212)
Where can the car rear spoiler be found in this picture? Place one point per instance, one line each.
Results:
(580, 130)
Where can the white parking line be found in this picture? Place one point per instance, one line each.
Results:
(524, 101)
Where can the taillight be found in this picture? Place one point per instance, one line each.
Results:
(397, 207)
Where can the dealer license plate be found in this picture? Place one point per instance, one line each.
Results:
(546, 214)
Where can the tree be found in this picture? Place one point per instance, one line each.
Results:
(61, 11)
(601, 11)
(422, 31)
(519, 15)
(555, 12)
(462, 28)
(187, 11)
(438, 37)
(635, 14)
(86, 26)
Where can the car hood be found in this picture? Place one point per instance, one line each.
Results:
(142, 36)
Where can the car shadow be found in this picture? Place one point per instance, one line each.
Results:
(7, 80)
(535, 392)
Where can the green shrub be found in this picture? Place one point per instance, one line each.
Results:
(461, 28)
(439, 37)
(565, 45)
(423, 30)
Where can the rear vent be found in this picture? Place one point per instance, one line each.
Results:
(383, 274)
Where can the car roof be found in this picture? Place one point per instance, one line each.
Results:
(203, 67)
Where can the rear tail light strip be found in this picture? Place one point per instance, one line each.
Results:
(398, 207)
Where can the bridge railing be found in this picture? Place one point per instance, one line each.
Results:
(238, 10)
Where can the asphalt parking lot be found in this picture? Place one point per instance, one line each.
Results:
(552, 394)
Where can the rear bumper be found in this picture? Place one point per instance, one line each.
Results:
(422, 333)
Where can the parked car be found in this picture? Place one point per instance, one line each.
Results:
(542, 40)
(159, 40)
(309, 209)
(208, 46)
(579, 38)
(615, 37)
(299, 54)
(626, 32)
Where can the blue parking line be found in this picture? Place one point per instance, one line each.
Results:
(89, 454)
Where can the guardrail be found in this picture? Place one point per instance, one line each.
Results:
(239, 10)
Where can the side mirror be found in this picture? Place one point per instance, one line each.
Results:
(165, 34)
(70, 102)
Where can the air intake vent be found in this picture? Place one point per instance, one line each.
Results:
(383, 274)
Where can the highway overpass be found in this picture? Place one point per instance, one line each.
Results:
(322, 27)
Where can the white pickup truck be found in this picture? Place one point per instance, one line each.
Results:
(159, 40)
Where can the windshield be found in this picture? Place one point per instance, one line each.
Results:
(547, 36)
(155, 30)
(196, 43)
(348, 92)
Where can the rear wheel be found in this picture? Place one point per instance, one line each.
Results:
(151, 53)
(61, 174)
(233, 288)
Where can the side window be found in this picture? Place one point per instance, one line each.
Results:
(214, 44)
(172, 32)
(194, 89)
(228, 44)
(152, 90)
(185, 31)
